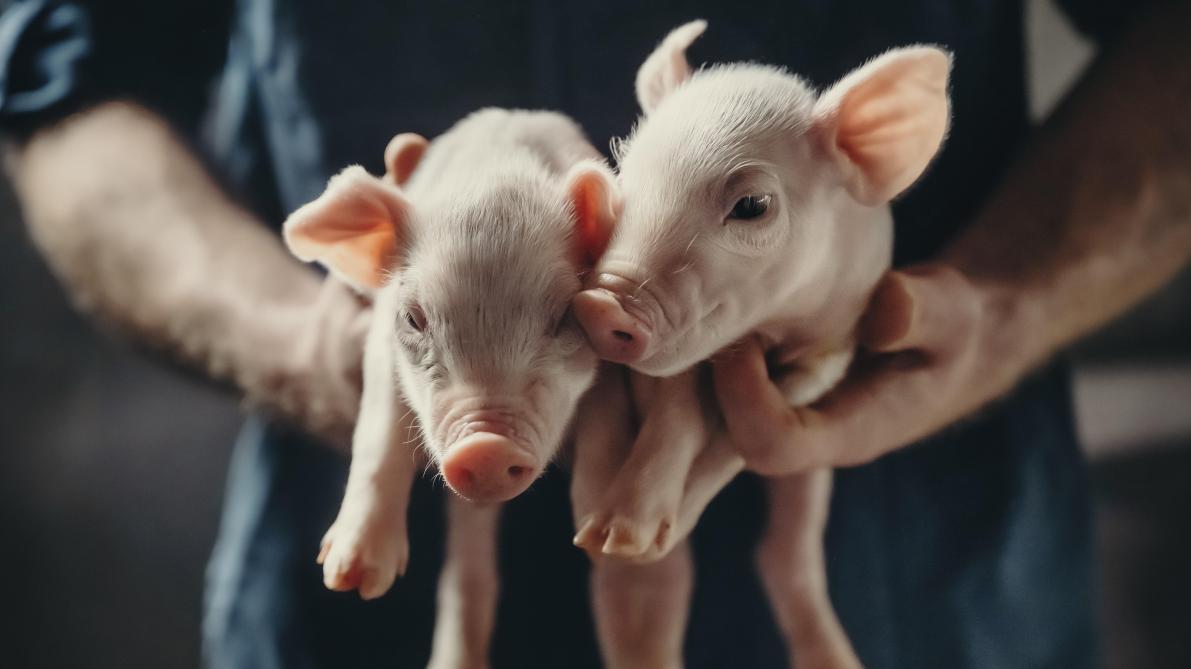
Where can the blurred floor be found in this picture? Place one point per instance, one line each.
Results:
(112, 467)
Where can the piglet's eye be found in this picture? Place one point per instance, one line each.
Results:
(415, 318)
(750, 207)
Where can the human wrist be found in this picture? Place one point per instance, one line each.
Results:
(1014, 335)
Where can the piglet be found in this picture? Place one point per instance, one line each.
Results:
(472, 247)
(754, 205)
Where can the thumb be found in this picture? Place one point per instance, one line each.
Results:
(923, 307)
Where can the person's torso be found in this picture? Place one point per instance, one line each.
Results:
(332, 85)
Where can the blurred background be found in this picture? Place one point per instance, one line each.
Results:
(112, 466)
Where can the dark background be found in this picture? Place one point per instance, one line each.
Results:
(111, 466)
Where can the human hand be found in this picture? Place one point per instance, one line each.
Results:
(941, 348)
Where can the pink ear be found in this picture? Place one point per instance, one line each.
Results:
(667, 67)
(403, 154)
(595, 199)
(886, 120)
(352, 228)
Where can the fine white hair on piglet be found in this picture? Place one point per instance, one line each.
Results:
(738, 98)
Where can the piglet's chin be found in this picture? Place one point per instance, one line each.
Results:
(679, 352)
(661, 366)
(485, 467)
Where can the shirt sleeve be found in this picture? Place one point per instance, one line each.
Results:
(57, 57)
(44, 48)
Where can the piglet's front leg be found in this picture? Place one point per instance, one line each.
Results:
(603, 435)
(640, 609)
(367, 546)
(638, 513)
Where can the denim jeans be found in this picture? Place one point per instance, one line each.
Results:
(970, 550)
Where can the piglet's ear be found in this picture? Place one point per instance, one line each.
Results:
(886, 120)
(667, 67)
(595, 199)
(403, 154)
(353, 228)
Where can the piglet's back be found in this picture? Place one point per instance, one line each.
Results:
(493, 144)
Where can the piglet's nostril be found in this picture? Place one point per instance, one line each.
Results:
(486, 467)
(615, 334)
(466, 477)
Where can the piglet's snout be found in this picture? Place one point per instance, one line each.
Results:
(614, 333)
(487, 467)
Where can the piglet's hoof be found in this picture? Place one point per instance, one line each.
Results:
(362, 557)
(593, 532)
(637, 541)
(625, 538)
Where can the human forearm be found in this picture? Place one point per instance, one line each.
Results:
(1098, 214)
(141, 236)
